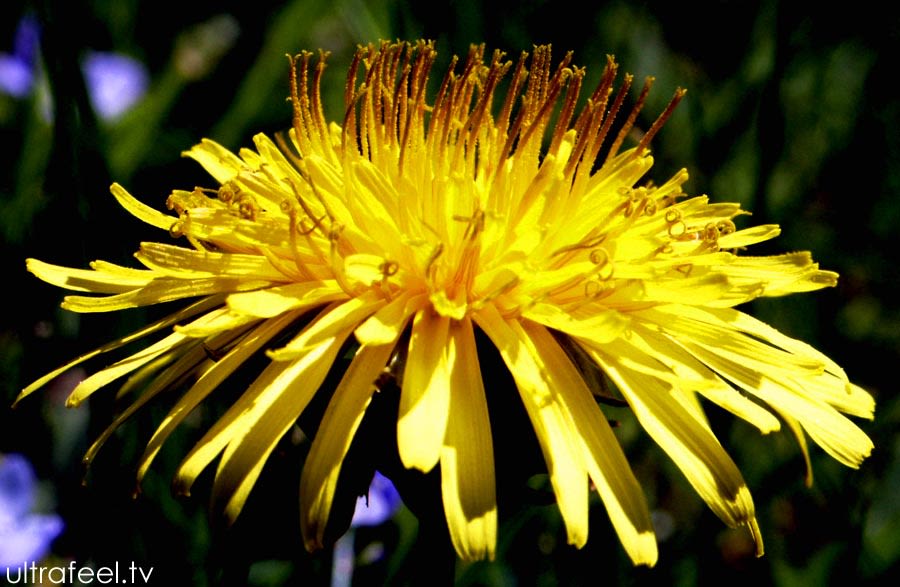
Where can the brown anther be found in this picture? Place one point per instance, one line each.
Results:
(599, 256)
(725, 227)
(661, 119)
(177, 229)
(629, 122)
(334, 233)
(247, 206)
(592, 288)
(431, 266)
(475, 223)
(677, 229)
(306, 230)
(228, 191)
(673, 216)
(389, 268)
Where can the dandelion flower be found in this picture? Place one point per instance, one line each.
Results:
(397, 234)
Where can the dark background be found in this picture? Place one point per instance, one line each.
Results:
(791, 111)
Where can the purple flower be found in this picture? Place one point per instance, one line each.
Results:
(17, 69)
(115, 82)
(24, 536)
(379, 505)
(371, 510)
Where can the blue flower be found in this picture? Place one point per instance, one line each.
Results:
(24, 536)
(115, 82)
(379, 505)
(372, 509)
(17, 69)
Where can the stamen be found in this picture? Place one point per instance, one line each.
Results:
(248, 208)
(597, 140)
(677, 229)
(661, 120)
(430, 266)
(177, 229)
(593, 289)
(590, 119)
(725, 227)
(632, 116)
(475, 224)
(336, 259)
(503, 289)
(587, 243)
(299, 97)
(228, 191)
(600, 257)
(573, 90)
(673, 215)
(305, 206)
(389, 268)
(685, 269)
(302, 269)
(317, 113)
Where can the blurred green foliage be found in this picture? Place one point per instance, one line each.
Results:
(791, 112)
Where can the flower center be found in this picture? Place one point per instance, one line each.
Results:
(458, 200)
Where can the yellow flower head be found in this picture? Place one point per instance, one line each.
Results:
(399, 232)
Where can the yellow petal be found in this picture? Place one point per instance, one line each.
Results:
(192, 310)
(386, 325)
(333, 319)
(606, 463)
(272, 301)
(560, 445)
(182, 262)
(218, 161)
(749, 236)
(797, 430)
(689, 443)
(163, 289)
(84, 389)
(170, 376)
(140, 210)
(467, 458)
(425, 396)
(333, 438)
(225, 321)
(842, 439)
(600, 325)
(364, 268)
(781, 274)
(732, 344)
(227, 427)
(691, 374)
(270, 416)
(87, 280)
(322, 334)
(210, 379)
(690, 290)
